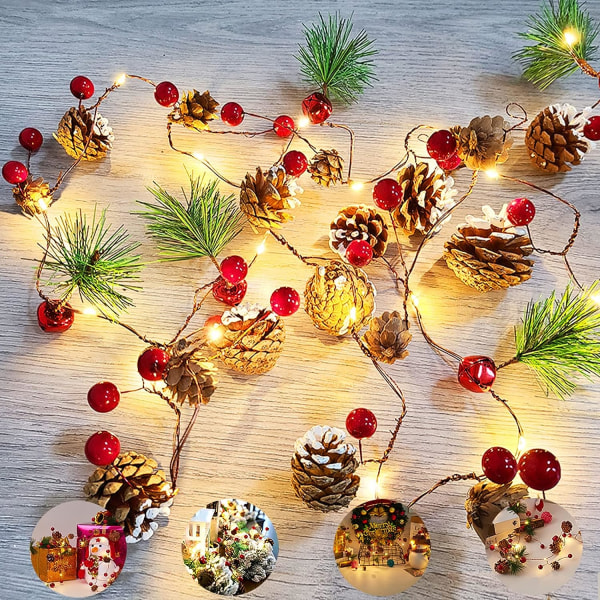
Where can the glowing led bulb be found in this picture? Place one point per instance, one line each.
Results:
(356, 185)
(352, 315)
(42, 205)
(595, 298)
(492, 173)
(414, 299)
(303, 122)
(89, 310)
(260, 248)
(120, 80)
(571, 37)
(214, 333)
(198, 155)
(522, 443)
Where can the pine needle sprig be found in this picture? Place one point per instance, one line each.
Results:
(563, 40)
(336, 61)
(559, 339)
(87, 257)
(200, 225)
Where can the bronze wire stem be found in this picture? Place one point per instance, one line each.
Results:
(520, 430)
(352, 137)
(441, 482)
(405, 269)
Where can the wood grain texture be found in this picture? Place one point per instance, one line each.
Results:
(441, 63)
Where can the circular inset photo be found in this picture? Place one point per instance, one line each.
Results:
(77, 550)
(382, 548)
(536, 547)
(230, 547)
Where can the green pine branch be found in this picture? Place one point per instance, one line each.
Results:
(518, 508)
(553, 55)
(336, 61)
(200, 225)
(559, 339)
(87, 257)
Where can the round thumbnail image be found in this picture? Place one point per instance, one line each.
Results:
(230, 547)
(77, 550)
(382, 548)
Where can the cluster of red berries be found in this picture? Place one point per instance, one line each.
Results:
(441, 146)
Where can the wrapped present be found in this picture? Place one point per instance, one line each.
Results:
(54, 559)
(97, 538)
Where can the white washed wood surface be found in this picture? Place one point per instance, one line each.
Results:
(440, 62)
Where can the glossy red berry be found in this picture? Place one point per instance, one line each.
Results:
(441, 145)
(82, 87)
(359, 253)
(540, 567)
(102, 448)
(295, 163)
(14, 172)
(477, 373)
(284, 126)
(166, 94)
(361, 423)
(227, 293)
(152, 363)
(234, 269)
(103, 397)
(520, 211)
(499, 465)
(539, 469)
(591, 129)
(451, 163)
(317, 107)
(232, 114)
(387, 194)
(53, 319)
(285, 301)
(31, 139)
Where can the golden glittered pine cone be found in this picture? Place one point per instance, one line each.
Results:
(358, 223)
(388, 337)
(134, 505)
(326, 167)
(484, 143)
(195, 110)
(339, 298)
(426, 193)
(265, 197)
(33, 196)
(249, 339)
(555, 138)
(323, 469)
(489, 254)
(76, 127)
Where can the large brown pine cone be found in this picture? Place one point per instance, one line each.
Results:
(195, 110)
(326, 167)
(339, 298)
(489, 254)
(484, 143)
(33, 196)
(323, 469)
(555, 138)
(388, 337)
(358, 223)
(134, 505)
(426, 193)
(76, 127)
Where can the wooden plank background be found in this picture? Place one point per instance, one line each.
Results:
(441, 63)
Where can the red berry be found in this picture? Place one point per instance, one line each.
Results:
(523, 559)
(317, 107)
(359, 253)
(234, 269)
(103, 397)
(31, 139)
(166, 94)
(82, 87)
(451, 163)
(285, 301)
(102, 448)
(227, 293)
(520, 211)
(152, 363)
(232, 114)
(14, 172)
(542, 546)
(540, 567)
(361, 423)
(441, 145)
(295, 163)
(492, 547)
(387, 194)
(53, 319)
(477, 373)
(569, 556)
(591, 129)
(539, 469)
(284, 126)
(499, 465)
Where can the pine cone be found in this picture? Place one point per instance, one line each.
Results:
(189, 376)
(326, 167)
(77, 126)
(489, 254)
(339, 298)
(388, 337)
(555, 565)
(566, 526)
(555, 138)
(251, 339)
(33, 196)
(323, 468)
(556, 546)
(484, 143)
(358, 223)
(502, 566)
(426, 193)
(195, 110)
(137, 505)
(265, 198)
